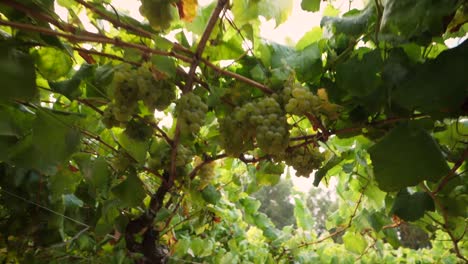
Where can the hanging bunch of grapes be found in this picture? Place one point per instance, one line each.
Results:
(128, 87)
(303, 159)
(266, 122)
(300, 100)
(190, 111)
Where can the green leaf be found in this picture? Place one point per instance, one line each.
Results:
(69, 88)
(63, 182)
(312, 36)
(354, 242)
(130, 191)
(250, 205)
(310, 5)
(426, 91)
(352, 25)
(52, 141)
(211, 195)
(201, 247)
(95, 171)
(304, 219)
(406, 18)
(411, 207)
(17, 74)
(360, 77)
(277, 9)
(52, 63)
(164, 64)
(109, 213)
(135, 148)
(332, 162)
(269, 173)
(406, 156)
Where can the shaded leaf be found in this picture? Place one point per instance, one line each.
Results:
(130, 191)
(17, 74)
(406, 156)
(411, 207)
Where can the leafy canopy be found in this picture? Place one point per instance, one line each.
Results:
(127, 141)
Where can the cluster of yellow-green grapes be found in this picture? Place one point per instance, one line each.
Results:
(190, 111)
(160, 13)
(300, 100)
(130, 85)
(206, 173)
(303, 159)
(160, 155)
(266, 122)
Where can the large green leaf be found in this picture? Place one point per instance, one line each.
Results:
(55, 136)
(360, 77)
(17, 74)
(130, 191)
(406, 18)
(406, 156)
(53, 63)
(411, 207)
(437, 86)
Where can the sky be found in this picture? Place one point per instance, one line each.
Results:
(290, 32)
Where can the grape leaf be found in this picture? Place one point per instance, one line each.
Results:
(360, 77)
(304, 219)
(406, 156)
(130, 191)
(310, 5)
(17, 74)
(354, 242)
(411, 207)
(52, 63)
(427, 91)
(210, 194)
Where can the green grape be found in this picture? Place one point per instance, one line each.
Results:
(160, 13)
(124, 84)
(300, 100)
(190, 111)
(138, 130)
(156, 94)
(235, 137)
(304, 159)
(206, 173)
(263, 120)
(160, 155)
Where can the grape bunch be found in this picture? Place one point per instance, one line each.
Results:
(128, 87)
(303, 159)
(190, 111)
(160, 155)
(262, 119)
(156, 94)
(299, 100)
(235, 137)
(206, 173)
(160, 13)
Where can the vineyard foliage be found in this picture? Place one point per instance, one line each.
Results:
(144, 141)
